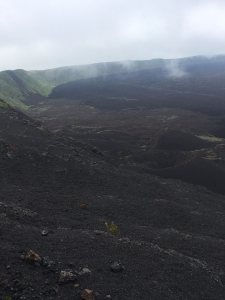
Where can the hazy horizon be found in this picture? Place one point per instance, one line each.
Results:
(45, 35)
(108, 62)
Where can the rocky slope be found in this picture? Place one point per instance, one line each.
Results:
(71, 220)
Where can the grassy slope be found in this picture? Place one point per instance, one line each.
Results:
(16, 85)
(3, 104)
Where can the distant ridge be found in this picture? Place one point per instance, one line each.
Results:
(17, 85)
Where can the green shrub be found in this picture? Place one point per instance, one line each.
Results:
(112, 228)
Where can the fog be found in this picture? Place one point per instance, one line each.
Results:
(45, 34)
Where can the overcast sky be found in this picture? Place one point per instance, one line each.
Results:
(39, 34)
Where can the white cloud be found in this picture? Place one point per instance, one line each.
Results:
(207, 21)
(43, 34)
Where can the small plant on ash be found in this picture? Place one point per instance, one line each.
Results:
(112, 228)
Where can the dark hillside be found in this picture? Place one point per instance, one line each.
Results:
(198, 86)
(170, 243)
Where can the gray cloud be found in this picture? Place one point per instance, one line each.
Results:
(44, 34)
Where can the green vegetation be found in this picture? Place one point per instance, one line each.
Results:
(7, 298)
(16, 85)
(112, 228)
(211, 138)
(3, 104)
